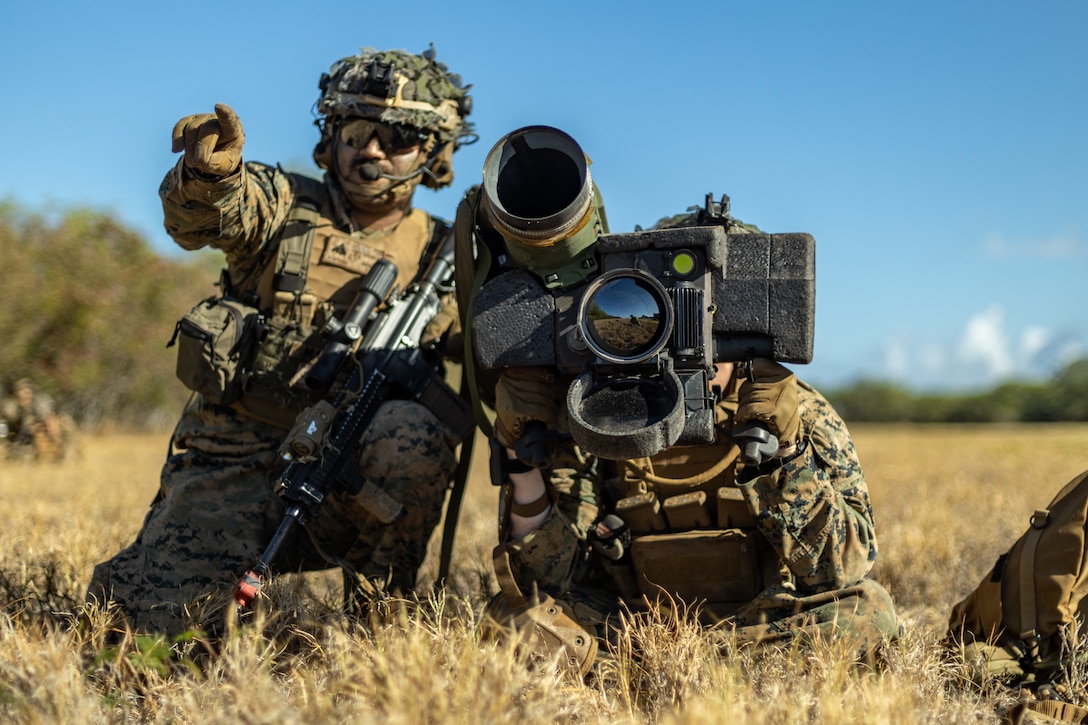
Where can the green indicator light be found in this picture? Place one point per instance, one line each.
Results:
(683, 264)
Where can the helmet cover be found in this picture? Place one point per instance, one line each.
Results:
(395, 86)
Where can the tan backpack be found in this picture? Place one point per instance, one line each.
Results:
(1015, 618)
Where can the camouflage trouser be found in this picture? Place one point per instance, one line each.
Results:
(216, 510)
(862, 613)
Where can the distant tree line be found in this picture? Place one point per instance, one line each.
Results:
(87, 306)
(1062, 398)
(86, 309)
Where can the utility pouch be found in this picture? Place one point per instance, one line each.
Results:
(687, 511)
(642, 513)
(216, 341)
(733, 511)
(711, 567)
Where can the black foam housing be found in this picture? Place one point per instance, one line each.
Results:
(763, 293)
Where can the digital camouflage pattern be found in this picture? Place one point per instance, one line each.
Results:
(397, 87)
(216, 506)
(861, 613)
(552, 557)
(814, 512)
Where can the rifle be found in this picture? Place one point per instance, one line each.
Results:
(388, 358)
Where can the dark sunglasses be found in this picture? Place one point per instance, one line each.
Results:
(393, 137)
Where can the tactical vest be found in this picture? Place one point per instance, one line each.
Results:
(692, 535)
(313, 273)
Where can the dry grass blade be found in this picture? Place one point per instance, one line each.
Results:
(948, 500)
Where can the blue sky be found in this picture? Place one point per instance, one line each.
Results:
(935, 150)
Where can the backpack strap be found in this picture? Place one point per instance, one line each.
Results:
(285, 259)
(439, 231)
(296, 239)
(1028, 614)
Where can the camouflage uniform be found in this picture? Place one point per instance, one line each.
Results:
(216, 508)
(814, 547)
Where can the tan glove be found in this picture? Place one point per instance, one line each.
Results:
(768, 402)
(522, 395)
(212, 142)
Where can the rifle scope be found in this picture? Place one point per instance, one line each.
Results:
(376, 285)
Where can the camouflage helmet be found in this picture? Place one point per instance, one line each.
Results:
(696, 216)
(395, 86)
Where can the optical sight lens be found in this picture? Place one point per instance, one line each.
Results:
(626, 317)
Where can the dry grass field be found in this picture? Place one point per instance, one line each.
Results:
(948, 500)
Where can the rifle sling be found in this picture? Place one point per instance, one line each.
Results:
(470, 281)
(457, 493)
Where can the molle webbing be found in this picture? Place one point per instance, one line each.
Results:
(297, 237)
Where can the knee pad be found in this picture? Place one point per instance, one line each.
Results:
(546, 627)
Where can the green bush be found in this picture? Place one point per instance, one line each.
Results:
(1064, 398)
(86, 309)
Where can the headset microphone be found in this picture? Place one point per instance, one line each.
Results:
(370, 172)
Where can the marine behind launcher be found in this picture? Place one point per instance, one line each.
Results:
(636, 505)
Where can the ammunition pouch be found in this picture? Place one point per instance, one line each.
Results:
(288, 343)
(216, 341)
(693, 538)
(716, 569)
(228, 350)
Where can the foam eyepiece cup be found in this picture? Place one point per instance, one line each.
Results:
(626, 417)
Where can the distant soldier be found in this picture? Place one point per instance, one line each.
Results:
(32, 428)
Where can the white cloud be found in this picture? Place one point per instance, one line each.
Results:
(1061, 246)
(1032, 342)
(932, 360)
(984, 353)
(985, 344)
(897, 358)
